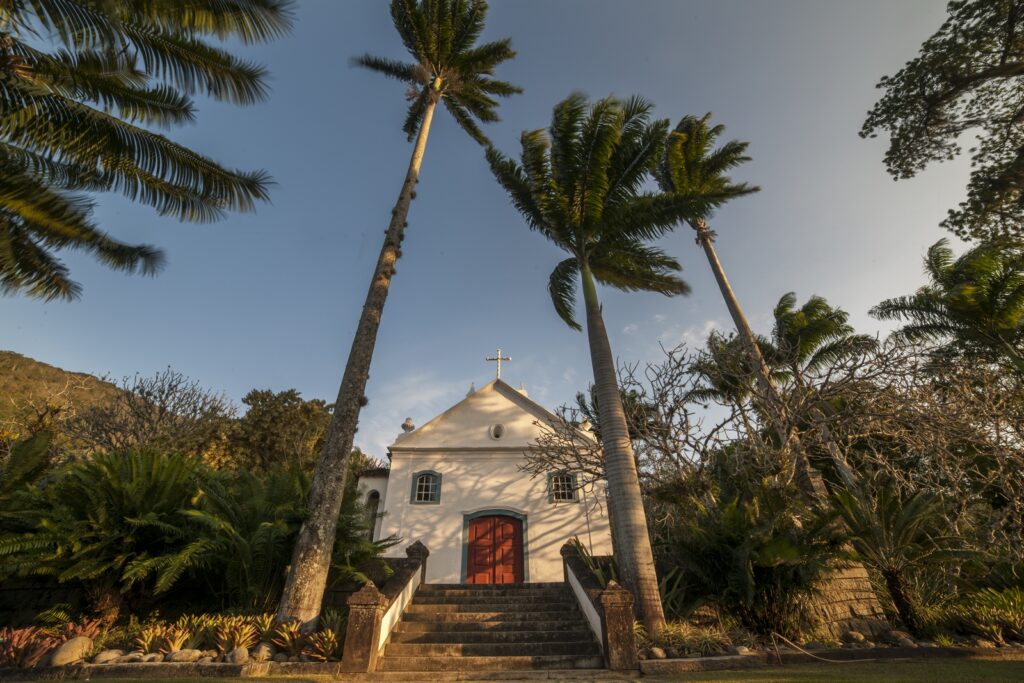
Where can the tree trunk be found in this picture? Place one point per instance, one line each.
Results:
(904, 601)
(630, 537)
(808, 479)
(311, 559)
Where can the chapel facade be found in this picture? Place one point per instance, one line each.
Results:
(456, 485)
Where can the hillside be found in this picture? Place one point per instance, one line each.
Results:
(26, 382)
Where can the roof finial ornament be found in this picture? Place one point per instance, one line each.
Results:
(472, 389)
(408, 426)
(498, 357)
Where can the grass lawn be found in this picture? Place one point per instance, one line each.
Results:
(933, 671)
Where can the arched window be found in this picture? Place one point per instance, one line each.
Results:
(426, 488)
(561, 487)
(372, 506)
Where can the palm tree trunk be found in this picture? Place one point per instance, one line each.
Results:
(311, 560)
(904, 601)
(808, 479)
(631, 540)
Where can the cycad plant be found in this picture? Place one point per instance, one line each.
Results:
(580, 184)
(448, 66)
(975, 303)
(894, 536)
(82, 86)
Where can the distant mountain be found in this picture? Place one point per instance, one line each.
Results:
(25, 381)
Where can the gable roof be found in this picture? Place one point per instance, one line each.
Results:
(468, 423)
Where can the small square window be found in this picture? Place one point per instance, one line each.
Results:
(426, 488)
(562, 487)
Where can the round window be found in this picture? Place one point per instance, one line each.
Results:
(497, 431)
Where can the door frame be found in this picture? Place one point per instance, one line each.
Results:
(467, 517)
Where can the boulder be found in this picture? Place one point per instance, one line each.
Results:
(658, 653)
(130, 658)
(185, 656)
(906, 642)
(211, 653)
(153, 657)
(813, 645)
(926, 643)
(978, 642)
(280, 657)
(740, 650)
(894, 637)
(673, 653)
(853, 637)
(263, 652)
(107, 656)
(204, 660)
(240, 655)
(73, 650)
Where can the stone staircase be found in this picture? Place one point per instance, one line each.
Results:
(456, 627)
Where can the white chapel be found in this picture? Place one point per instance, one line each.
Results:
(455, 484)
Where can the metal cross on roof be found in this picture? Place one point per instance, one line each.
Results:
(498, 357)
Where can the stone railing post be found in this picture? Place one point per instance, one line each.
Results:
(617, 624)
(417, 551)
(365, 611)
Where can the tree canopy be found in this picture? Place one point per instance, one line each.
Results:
(83, 85)
(968, 78)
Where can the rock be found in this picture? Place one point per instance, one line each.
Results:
(813, 645)
(850, 646)
(72, 650)
(280, 657)
(211, 653)
(906, 642)
(153, 657)
(204, 660)
(978, 642)
(740, 650)
(893, 637)
(866, 644)
(658, 653)
(240, 655)
(294, 658)
(130, 658)
(107, 656)
(926, 643)
(853, 637)
(263, 652)
(185, 656)
(673, 653)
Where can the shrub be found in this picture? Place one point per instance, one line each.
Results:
(323, 646)
(24, 647)
(290, 638)
(235, 632)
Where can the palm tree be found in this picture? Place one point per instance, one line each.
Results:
(976, 302)
(448, 66)
(692, 164)
(810, 339)
(82, 84)
(579, 185)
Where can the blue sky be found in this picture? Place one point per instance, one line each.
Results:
(271, 299)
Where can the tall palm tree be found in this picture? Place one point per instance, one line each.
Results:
(579, 185)
(692, 164)
(448, 66)
(82, 85)
(975, 302)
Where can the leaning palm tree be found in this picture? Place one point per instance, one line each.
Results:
(974, 302)
(579, 184)
(82, 86)
(448, 67)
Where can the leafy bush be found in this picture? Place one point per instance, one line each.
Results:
(25, 647)
(690, 639)
(994, 615)
(290, 638)
(235, 632)
(750, 545)
(323, 646)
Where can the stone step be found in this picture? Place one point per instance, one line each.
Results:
(492, 586)
(479, 592)
(579, 648)
(577, 633)
(432, 626)
(492, 604)
(512, 675)
(430, 613)
(478, 664)
(561, 599)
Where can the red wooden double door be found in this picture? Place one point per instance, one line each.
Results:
(495, 553)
